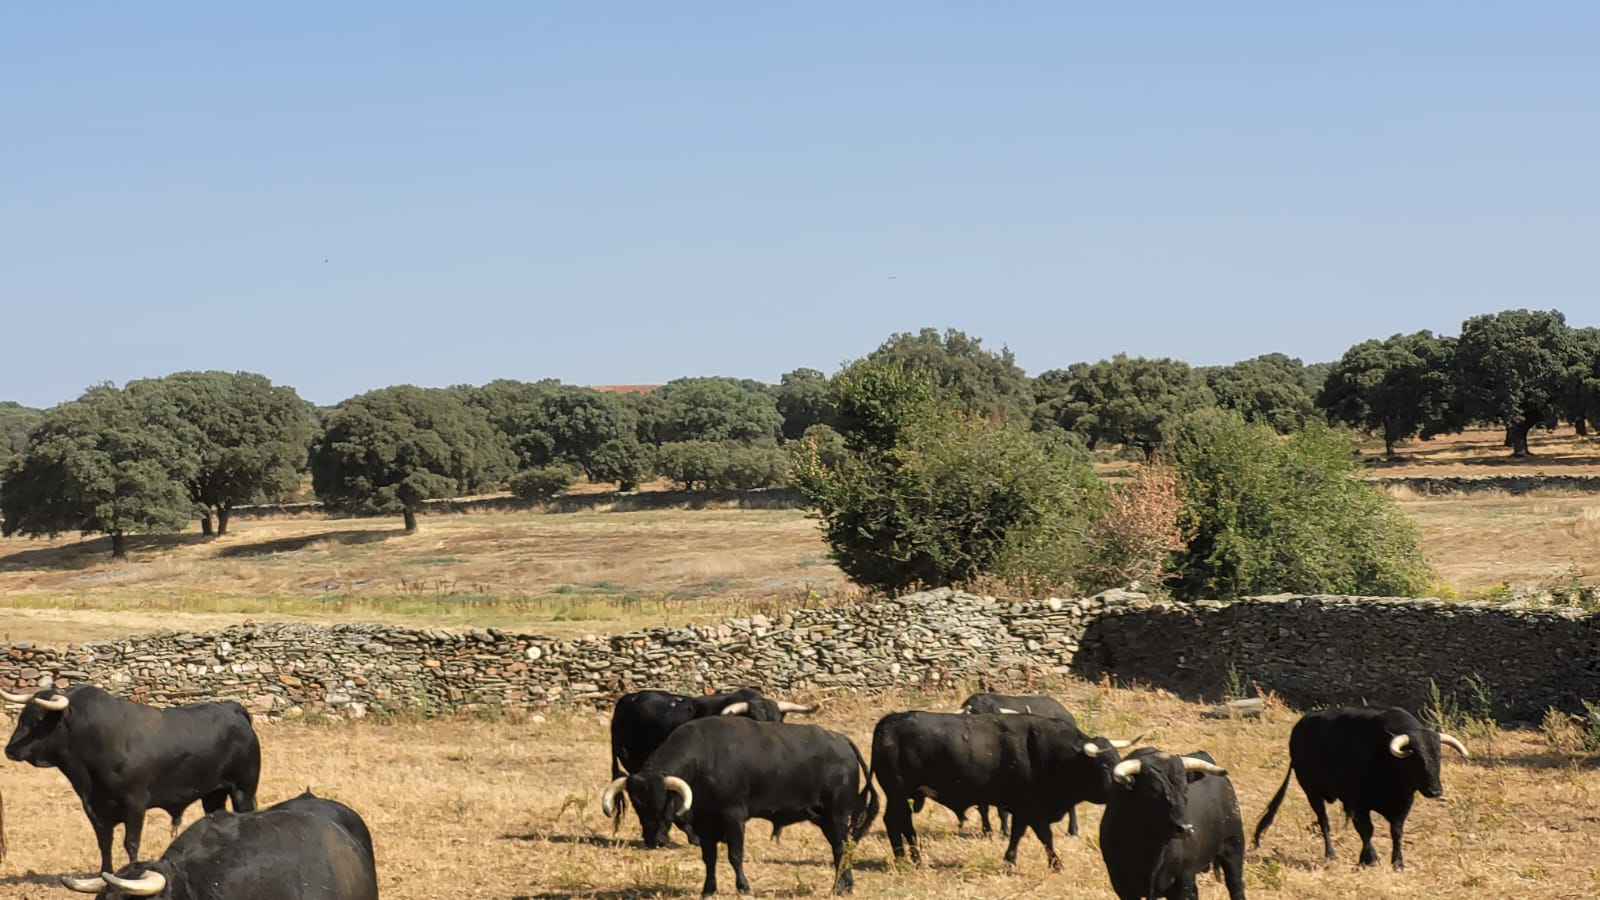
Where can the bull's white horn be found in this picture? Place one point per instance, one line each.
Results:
(55, 704)
(1400, 746)
(147, 885)
(736, 709)
(1009, 712)
(1454, 744)
(1126, 769)
(681, 788)
(83, 885)
(1090, 748)
(785, 706)
(1191, 764)
(17, 698)
(608, 797)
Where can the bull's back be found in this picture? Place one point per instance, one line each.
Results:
(955, 756)
(1335, 754)
(276, 854)
(757, 764)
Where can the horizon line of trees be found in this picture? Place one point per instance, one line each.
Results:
(158, 453)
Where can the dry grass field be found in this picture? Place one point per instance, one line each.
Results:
(1480, 452)
(465, 808)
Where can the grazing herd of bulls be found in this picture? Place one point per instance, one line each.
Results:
(710, 764)
(124, 759)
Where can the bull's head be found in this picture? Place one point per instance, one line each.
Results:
(140, 880)
(1097, 756)
(1156, 785)
(38, 737)
(1418, 752)
(764, 710)
(658, 799)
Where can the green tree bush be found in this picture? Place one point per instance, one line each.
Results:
(802, 399)
(1272, 388)
(927, 494)
(16, 421)
(387, 451)
(721, 465)
(1123, 400)
(248, 438)
(715, 409)
(965, 374)
(1512, 368)
(110, 462)
(1398, 388)
(540, 483)
(1267, 514)
(622, 460)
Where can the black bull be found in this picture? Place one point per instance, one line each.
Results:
(985, 703)
(720, 772)
(123, 758)
(642, 720)
(305, 848)
(1036, 767)
(1371, 760)
(1168, 819)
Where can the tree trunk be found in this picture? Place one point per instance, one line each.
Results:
(1517, 438)
(223, 514)
(411, 520)
(119, 545)
(1581, 426)
(1388, 442)
(205, 524)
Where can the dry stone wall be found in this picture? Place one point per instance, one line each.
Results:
(1311, 650)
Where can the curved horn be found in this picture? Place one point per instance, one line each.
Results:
(83, 885)
(1008, 712)
(1454, 744)
(147, 885)
(1400, 746)
(17, 698)
(800, 708)
(1129, 743)
(1126, 769)
(1199, 765)
(736, 709)
(1090, 748)
(54, 704)
(608, 797)
(680, 787)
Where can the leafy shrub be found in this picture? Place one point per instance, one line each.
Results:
(722, 465)
(1269, 514)
(542, 482)
(623, 460)
(1134, 533)
(948, 498)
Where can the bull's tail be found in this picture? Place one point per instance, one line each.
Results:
(867, 811)
(621, 805)
(1272, 807)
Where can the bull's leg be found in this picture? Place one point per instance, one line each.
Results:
(1321, 809)
(1072, 820)
(708, 855)
(132, 834)
(214, 801)
(103, 828)
(1005, 820)
(1363, 822)
(1186, 888)
(836, 828)
(897, 821)
(1397, 828)
(1017, 831)
(983, 816)
(1232, 864)
(733, 833)
(1041, 827)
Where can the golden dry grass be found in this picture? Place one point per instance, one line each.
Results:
(475, 809)
(1479, 541)
(1482, 452)
(581, 572)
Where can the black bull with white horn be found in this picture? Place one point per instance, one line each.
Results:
(642, 720)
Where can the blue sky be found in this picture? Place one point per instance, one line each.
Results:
(345, 196)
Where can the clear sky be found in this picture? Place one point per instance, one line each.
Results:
(343, 196)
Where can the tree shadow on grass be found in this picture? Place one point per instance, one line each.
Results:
(38, 879)
(301, 542)
(95, 551)
(592, 840)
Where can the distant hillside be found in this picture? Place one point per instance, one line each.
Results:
(625, 388)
